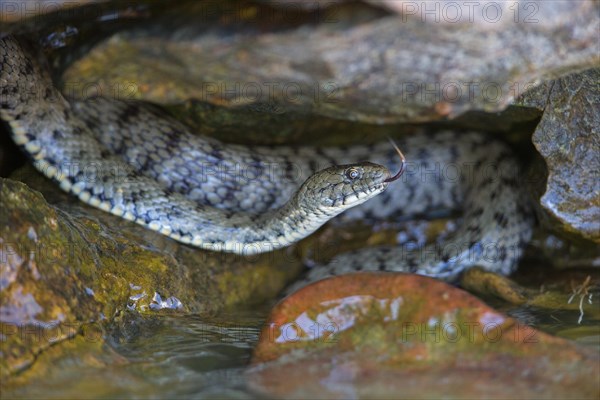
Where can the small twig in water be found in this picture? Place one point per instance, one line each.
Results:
(582, 292)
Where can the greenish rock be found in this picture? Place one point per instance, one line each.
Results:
(555, 295)
(68, 270)
(568, 137)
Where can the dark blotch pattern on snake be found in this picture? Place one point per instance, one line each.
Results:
(133, 160)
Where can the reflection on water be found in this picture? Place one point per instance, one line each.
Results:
(181, 356)
(563, 323)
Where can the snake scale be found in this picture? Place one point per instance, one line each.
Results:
(137, 162)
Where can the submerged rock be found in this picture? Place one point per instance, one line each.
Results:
(562, 290)
(376, 335)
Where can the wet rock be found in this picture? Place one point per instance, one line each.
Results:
(43, 296)
(568, 137)
(561, 290)
(488, 283)
(374, 335)
(389, 70)
(69, 267)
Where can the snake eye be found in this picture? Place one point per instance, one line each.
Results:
(352, 173)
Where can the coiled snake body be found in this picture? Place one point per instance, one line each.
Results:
(134, 161)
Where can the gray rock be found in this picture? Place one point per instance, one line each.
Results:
(387, 70)
(568, 137)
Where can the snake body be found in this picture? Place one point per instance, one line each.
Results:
(135, 161)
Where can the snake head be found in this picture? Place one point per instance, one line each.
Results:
(335, 189)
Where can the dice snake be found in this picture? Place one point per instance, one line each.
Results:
(134, 160)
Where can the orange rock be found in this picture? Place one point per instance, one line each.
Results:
(399, 335)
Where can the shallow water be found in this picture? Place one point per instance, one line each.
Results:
(180, 356)
(190, 356)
